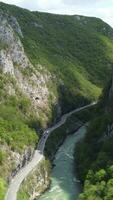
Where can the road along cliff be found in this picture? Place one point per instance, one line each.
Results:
(38, 156)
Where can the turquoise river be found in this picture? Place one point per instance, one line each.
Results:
(64, 184)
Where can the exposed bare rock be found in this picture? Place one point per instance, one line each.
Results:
(12, 21)
(14, 61)
(20, 160)
(12, 49)
(15, 25)
(6, 63)
(38, 180)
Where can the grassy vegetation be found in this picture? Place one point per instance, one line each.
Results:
(15, 117)
(14, 131)
(64, 45)
(3, 187)
(15, 135)
(78, 51)
(16, 128)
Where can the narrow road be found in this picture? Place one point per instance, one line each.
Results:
(38, 156)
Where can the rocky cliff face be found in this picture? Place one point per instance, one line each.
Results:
(13, 61)
(37, 182)
(53, 64)
(12, 52)
(28, 81)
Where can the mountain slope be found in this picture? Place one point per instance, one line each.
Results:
(78, 46)
(49, 64)
(95, 160)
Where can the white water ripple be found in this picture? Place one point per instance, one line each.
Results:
(64, 184)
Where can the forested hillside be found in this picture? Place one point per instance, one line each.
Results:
(49, 65)
(94, 153)
(75, 45)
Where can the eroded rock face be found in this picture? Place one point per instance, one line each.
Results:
(12, 21)
(11, 47)
(38, 180)
(20, 160)
(15, 161)
(35, 87)
(6, 63)
(14, 61)
(32, 82)
(15, 25)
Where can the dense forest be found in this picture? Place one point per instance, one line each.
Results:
(94, 154)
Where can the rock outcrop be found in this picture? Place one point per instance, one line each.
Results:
(13, 61)
(37, 182)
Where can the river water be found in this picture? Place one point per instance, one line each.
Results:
(64, 185)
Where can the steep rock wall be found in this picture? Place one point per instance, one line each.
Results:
(30, 81)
